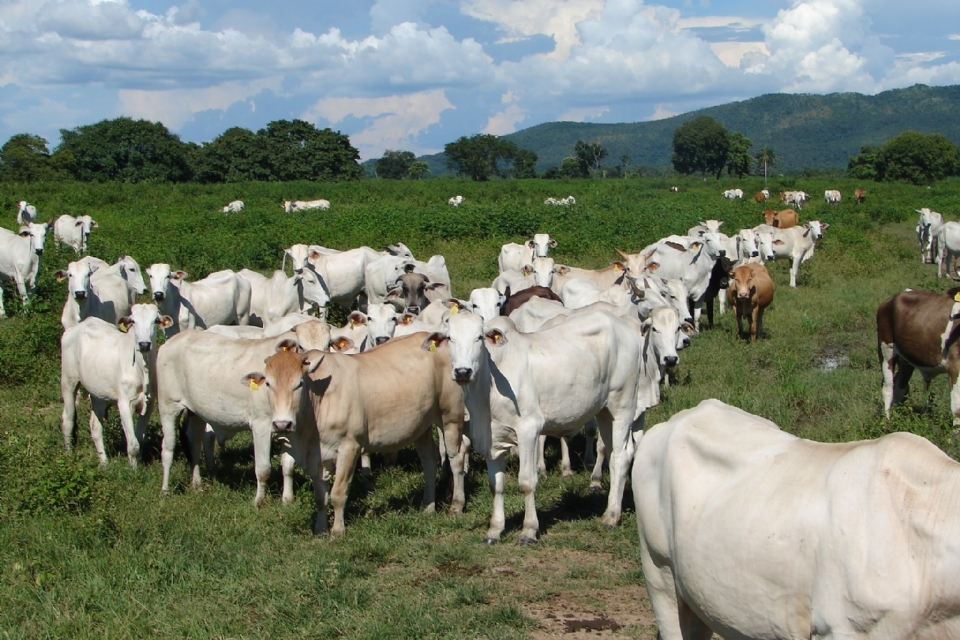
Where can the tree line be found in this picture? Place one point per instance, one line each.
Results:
(130, 150)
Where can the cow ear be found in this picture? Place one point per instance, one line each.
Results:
(253, 380)
(495, 337)
(552, 243)
(393, 295)
(645, 326)
(434, 341)
(343, 343)
(730, 274)
(618, 266)
(60, 275)
(79, 223)
(653, 266)
(164, 321)
(530, 244)
(453, 304)
(561, 269)
(778, 241)
(687, 328)
(24, 233)
(406, 318)
(125, 323)
(527, 270)
(95, 224)
(180, 275)
(825, 225)
(312, 360)
(694, 246)
(356, 318)
(287, 345)
(314, 255)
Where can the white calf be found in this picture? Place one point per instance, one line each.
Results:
(73, 232)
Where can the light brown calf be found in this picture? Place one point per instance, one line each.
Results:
(782, 219)
(378, 401)
(859, 195)
(759, 196)
(750, 291)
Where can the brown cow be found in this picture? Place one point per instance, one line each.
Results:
(512, 302)
(378, 401)
(760, 196)
(750, 291)
(859, 195)
(919, 330)
(783, 219)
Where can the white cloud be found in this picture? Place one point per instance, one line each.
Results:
(920, 56)
(506, 121)
(582, 114)
(175, 107)
(660, 113)
(732, 53)
(396, 119)
(954, 36)
(733, 22)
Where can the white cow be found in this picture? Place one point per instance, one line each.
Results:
(796, 198)
(199, 372)
(273, 298)
(234, 207)
(733, 194)
(20, 259)
(114, 366)
(108, 296)
(749, 532)
(948, 247)
(455, 201)
(595, 354)
(303, 205)
(73, 231)
(832, 196)
(537, 274)
(605, 277)
(223, 297)
(26, 213)
(487, 302)
(927, 229)
(516, 256)
(797, 244)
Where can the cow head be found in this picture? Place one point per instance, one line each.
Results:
(487, 302)
(412, 289)
(282, 381)
(144, 320)
(662, 330)
(816, 228)
(37, 234)
(298, 257)
(747, 243)
(541, 243)
(741, 282)
(543, 271)
(77, 275)
(466, 340)
(312, 289)
(382, 322)
(129, 270)
(163, 279)
(765, 245)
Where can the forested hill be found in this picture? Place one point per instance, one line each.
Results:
(804, 130)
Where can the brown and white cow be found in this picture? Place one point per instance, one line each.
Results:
(750, 292)
(859, 195)
(378, 401)
(782, 219)
(919, 330)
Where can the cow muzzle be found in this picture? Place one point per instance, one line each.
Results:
(723, 252)
(159, 295)
(743, 295)
(754, 254)
(381, 339)
(283, 426)
(145, 347)
(462, 375)
(80, 295)
(39, 252)
(415, 310)
(671, 361)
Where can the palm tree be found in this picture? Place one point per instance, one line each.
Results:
(766, 157)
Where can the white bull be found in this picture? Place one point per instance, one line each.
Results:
(73, 231)
(223, 297)
(20, 259)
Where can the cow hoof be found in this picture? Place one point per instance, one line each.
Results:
(490, 541)
(525, 541)
(595, 489)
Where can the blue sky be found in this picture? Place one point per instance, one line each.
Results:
(416, 74)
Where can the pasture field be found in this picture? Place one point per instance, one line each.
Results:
(90, 552)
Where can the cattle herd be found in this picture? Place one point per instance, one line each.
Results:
(547, 350)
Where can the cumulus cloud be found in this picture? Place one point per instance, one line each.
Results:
(175, 107)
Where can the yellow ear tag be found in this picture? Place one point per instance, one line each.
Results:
(433, 346)
(253, 385)
(455, 309)
(616, 267)
(956, 298)
(123, 328)
(351, 324)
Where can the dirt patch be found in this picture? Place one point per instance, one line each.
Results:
(621, 612)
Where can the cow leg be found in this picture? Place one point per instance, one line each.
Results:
(98, 414)
(590, 441)
(287, 464)
(68, 418)
(209, 442)
(759, 321)
(527, 437)
(709, 302)
(143, 423)
(262, 434)
(565, 457)
(427, 450)
(952, 372)
(888, 367)
(739, 322)
(901, 381)
(3, 312)
(754, 326)
(304, 450)
(168, 426)
(365, 464)
(605, 432)
(697, 308)
(674, 618)
(621, 453)
(541, 457)
(794, 267)
(456, 453)
(127, 421)
(347, 454)
(722, 302)
(496, 465)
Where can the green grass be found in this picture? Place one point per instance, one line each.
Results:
(91, 552)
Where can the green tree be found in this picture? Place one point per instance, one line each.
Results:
(571, 167)
(701, 146)
(524, 164)
(864, 165)
(766, 158)
(395, 165)
(26, 158)
(484, 156)
(625, 161)
(124, 150)
(589, 155)
(233, 156)
(739, 159)
(418, 169)
(917, 158)
(297, 150)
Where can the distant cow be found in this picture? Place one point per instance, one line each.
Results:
(303, 205)
(947, 239)
(26, 213)
(750, 532)
(859, 195)
(455, 201)
(674, 189)
(733, 194)
(750, 292)
(234, 207)
(73, 231)
(760, 196)
(832, 196)
(20, 259)
(927, 229)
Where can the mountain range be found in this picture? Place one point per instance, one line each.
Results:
(804, 130)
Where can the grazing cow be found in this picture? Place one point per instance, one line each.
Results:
(761, 196)
(832, 196)
(750, 292)
(378, 402)
(517, 387)
(674, 189)
(73, 232)
(223, 297)
(198, 372)
(733, 194)
(108, 296)
(274, 297)
(747, 531)
(455, 201)
(796, 198)
(919, 330)
(948, 247)
(113, 366)
(551, 201)
(859, 195)
(796, 243)
(234, 207)
(26, 213)
(927, 229)
(303, 205)
(782, 219)
(20, 259)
